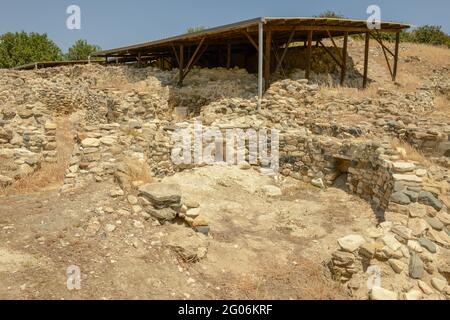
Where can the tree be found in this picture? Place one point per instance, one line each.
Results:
(21, 48)
(81, 50)
(331, 14)
(429, 34)
(195, 29)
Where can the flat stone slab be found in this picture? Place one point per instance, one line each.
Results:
(436, 224)
(415, 266)
(403, 166)
(90, 143)
(391, 242)
(161, 194)
(407, 178)
(429, 199)
(427, 244)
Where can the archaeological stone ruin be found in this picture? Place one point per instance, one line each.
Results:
(384, 148)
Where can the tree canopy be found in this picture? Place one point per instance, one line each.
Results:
(81, 50)
(195, 29)
(430, 34)
(331, 14)
(21, 48)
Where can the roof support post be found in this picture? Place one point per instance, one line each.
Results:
(283, 55)
(366, 59)
(181, 66)
(260, 62)
(397, 42)
(139, 62)
(197, 54)
(344, 59)
(308, 55)
(268, 48)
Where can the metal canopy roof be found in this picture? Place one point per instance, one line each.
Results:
(280, 26)
(49, 64)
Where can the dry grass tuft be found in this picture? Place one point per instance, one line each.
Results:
(442, 104)
(138, 170)
(49, 175)
(438, 55)
(305, 281)
(348, 92)
(409, 152)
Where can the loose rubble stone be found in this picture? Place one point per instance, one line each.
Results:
(402, 231)
(427, 244)
(110, 228)
(415, 246)
(164, 214)
(444, 218)
(439, 284)
(378, 293)
(400, 197)
(425, 287)
(90, 143)
(116, 193)
(440, 238)
(418, 226)
(391, 242)
(397, 265)
(368, 250)
(429, 199)
(413, 295)
(351, 242)
(272, 191)
(434, 223)
(191, 204)
(200, 221)
(415, 266)
(193, 213)
(318, 182)
(132, 200)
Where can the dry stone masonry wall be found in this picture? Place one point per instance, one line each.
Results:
(126, 119)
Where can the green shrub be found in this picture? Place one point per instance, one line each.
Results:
(429, 34)
(21, 48)
(81, 50)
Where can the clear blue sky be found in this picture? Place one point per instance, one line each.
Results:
(116, 23)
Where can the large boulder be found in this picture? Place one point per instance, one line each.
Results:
(161, 195)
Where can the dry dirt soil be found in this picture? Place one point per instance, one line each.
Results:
(260, 247)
